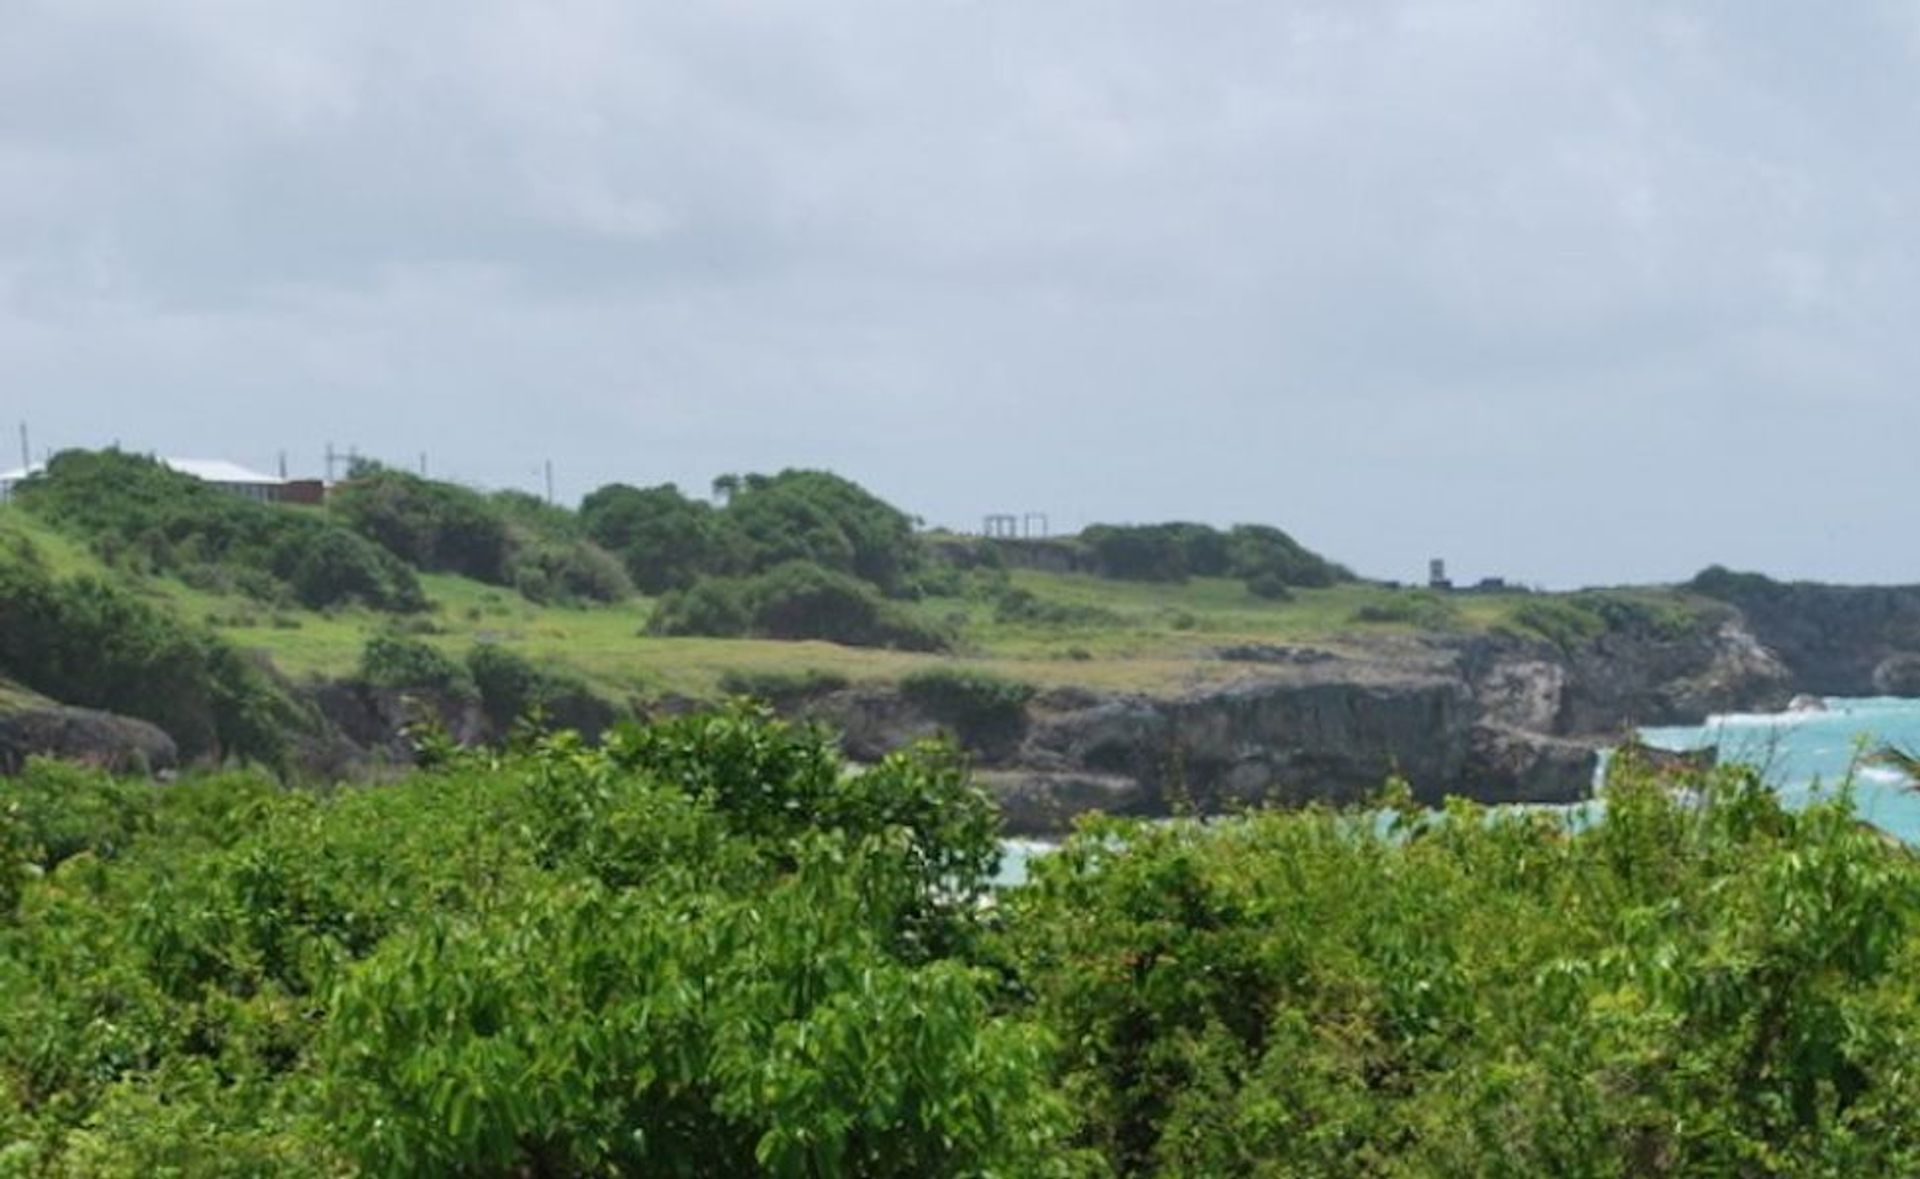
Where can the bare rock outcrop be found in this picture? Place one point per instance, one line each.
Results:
(118, 743)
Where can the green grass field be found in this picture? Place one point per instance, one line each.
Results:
(1147, 637)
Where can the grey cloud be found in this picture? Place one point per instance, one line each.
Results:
(1571, 292)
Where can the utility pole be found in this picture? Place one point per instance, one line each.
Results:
(549, 481)
(423, 464)
(26, 451)
(283, 464)
(330, 461)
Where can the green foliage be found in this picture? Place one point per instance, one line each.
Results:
(60, 810)
(709, 947)
(1416, 608)
(1174, 552)
(1015, 605)
(434, 526)
(665, 540)
(1258, 553)
(568, 573)
(794, 601)
(706, 949)
(982, 709)
(822, 519)
(669, 542)
(401, 663)
(89, 643)
(1720, 987)
(1150, 552)
(1717, 581)
(782, 687)
(140, 515)
(1573, 621)
(1269, 586)
(513, 690)
(1561, 621)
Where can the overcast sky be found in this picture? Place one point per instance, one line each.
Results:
(1572, 292)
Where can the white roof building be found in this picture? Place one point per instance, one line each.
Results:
(227, 476)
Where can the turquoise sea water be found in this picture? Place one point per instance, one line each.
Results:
(1802, 754)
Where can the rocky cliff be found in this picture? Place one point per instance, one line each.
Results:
(1496, 718)
(1835, 640)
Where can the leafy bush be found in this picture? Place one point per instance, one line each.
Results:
(719, 607)
(407, 664)
(665, 540)
(1152, 552)
(89, 643)
(435, 526)
(1269, 586)
(1575, 620)
(709, 947)
(138, 514)
(1717, 581)
(1417, 608)
(567, 574)
(1017, 605)
(983, 710)
(794, 601)
(1565, 623)
(1484, 993)
(1268, 555)
(705, 949)
(782, 687)
(1174, 552)
(512, 690)
(821, 519)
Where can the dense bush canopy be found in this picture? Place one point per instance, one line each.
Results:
(88, 642)
(711, 948)
(797, 600)
(703, 950)
(669, 541)
(508, 539)
(138, 514)
(1174, 552)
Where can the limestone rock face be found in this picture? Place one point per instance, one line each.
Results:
(118, 743)
(1514, 765)
(1038, 803)
(1897, 675)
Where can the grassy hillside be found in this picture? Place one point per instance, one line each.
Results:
(1078, 629)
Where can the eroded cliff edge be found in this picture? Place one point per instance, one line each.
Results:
(1497, 718)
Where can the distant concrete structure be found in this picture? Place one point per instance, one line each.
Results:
(228, 477)
(1001, 527)
(1437, 575)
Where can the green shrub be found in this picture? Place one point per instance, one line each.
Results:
(1416, 608)
(1268, 555)
(1566, 623)
(568, 574)
(513, 690)
(1269, 587)
(782, 687)
(794, 601)
(89, 643)
(982, 709)
(430, 525)
(665, 540)
(1023, 606)
(407, 664)
(1152, 552)
(137, 514)
(717, 606)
